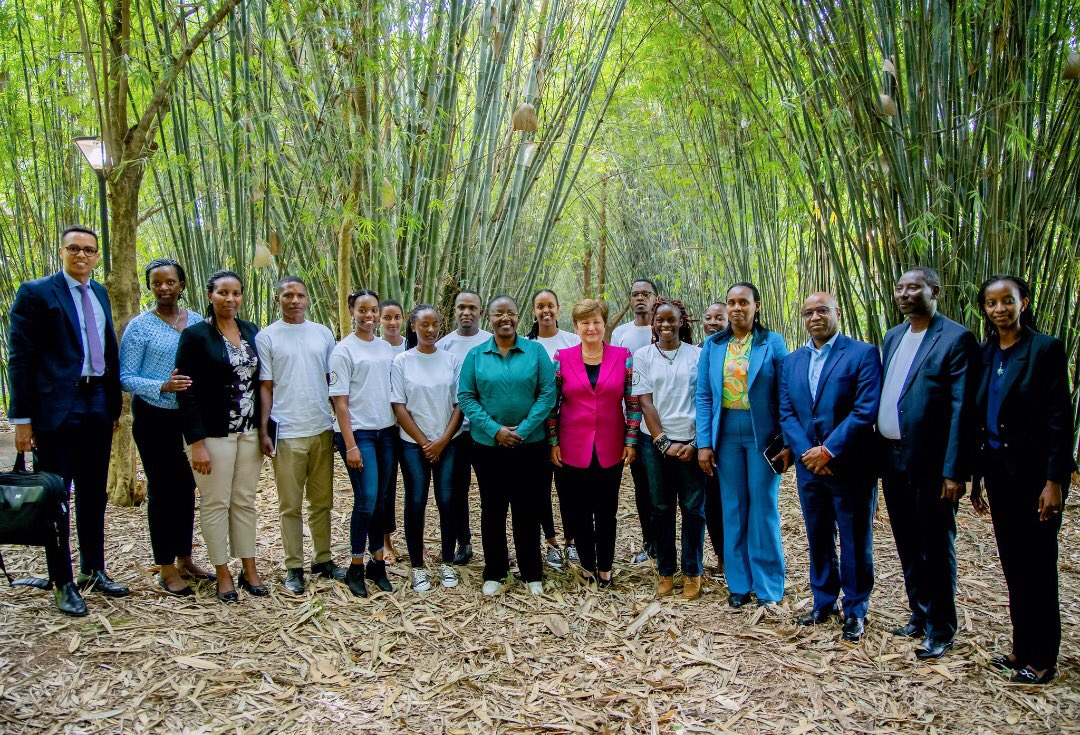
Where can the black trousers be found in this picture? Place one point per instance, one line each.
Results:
(643, 501)
(714, 515)
(1028, 549)
(511, 480)
(464, 462)
(924, 528)
(595, 493)
(547, 506)
(78, 450)
(170, 486)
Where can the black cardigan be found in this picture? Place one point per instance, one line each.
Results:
(1035, 418)
(201, 355)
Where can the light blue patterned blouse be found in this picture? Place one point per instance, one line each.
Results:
(148, 357)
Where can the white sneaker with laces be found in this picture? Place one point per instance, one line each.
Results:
(571, 554)
(491, 587)
(420, 581)
(535, 588)
(448, 576)
(554, 557)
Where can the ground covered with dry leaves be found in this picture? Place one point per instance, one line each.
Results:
(571, 661)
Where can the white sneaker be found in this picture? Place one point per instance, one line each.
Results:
(491, 587)
(420, 582)
(448, 576)
(535, 588)
(554, 557)
(572, 555)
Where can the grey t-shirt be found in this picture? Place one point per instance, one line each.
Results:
(296, 357)
(459, 346)
(888, 418)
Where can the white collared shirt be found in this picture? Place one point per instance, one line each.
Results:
(99, 317)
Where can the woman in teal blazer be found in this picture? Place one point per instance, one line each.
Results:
(738, 420)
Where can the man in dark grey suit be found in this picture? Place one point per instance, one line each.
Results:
(925, 425)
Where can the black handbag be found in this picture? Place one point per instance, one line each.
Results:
(31, 503)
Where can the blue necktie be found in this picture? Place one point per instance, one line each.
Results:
(93, 341)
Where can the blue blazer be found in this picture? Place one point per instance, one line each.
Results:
(843, 413)
(936, 405)
(766, 360)
(45, 353)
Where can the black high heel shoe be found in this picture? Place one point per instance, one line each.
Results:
(256, 590)
(184, 591)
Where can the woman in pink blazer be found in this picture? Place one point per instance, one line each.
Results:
(590, 437)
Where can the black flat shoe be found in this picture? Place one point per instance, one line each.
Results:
(910, 630)
(328, 570)
(738, 599)
(821, 615)
(257, 590)
(1002, 661)
(601, 582)
(1027, 676)
(932, 649)
(100, 581)
(69, 601)
(464, 554)
(184, 591)
(354, 578)
(294, 582)
(229, 597)
(853, 629)
(376, 572)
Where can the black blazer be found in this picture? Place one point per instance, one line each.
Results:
(45, 352)
(201, 355)
(1035, 418)
(937, 401)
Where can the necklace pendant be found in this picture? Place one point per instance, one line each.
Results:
(1001, 370)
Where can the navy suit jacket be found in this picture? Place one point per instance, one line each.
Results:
(936, 405)
(843, 413)
(45, 352)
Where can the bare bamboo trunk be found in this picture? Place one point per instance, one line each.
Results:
(586, 288)
(601, 269)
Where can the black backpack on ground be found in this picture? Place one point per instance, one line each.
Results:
(28, 511)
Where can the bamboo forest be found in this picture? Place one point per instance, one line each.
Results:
(419, 148)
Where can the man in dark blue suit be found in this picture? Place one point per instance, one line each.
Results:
(828, 402)
(926, 429)
(63, 365)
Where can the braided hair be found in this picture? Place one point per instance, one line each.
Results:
(534, 330)
(1027, 316)
(411, 338)
(686, 333)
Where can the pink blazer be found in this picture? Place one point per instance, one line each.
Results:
(585, 418)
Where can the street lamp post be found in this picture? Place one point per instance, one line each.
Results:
(93, 149)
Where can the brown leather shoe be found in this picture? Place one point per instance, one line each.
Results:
(665, 586)
(691, 588)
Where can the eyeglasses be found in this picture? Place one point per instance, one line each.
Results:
(820, 311)
(88, 251)
(503, 314)
(641, 294)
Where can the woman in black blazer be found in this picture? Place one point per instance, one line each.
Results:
(1026, 460)
(219, 416)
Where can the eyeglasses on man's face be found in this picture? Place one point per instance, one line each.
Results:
(89, 251)
(820, 311)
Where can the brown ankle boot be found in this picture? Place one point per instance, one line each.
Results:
(691, 588)
(665, 586)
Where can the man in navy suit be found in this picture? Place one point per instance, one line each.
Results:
(926, 428)
(63, 365)
(828, 402)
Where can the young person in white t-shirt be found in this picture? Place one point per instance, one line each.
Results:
(423, 393)
(633, 336)
(468, 308)
(364, 433)
(665, 377)
(294, 365)
(391, 322)
(545, 330)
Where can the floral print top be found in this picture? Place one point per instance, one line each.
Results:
(737, 374)
(245, 364)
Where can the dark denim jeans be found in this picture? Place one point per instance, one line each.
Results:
(418, 473)
(671, 482)
(370, 486)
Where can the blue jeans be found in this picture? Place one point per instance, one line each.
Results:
(753, 553)
(671, 482)
(370, 486)
(418, 472)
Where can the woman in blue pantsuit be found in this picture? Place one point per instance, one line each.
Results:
(738, 420)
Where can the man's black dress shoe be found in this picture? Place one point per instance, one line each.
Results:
(853, 629)
(69, 601)
(464, 554)
(911, 630)
(184, 591)
(376, 572)
(820, 615)
(294, 581)
(931, 648)
(1002, 661)
(101, 582)
(258, 590)
(355, 579)
(1027, 676)
(737, 599)
(328, 570)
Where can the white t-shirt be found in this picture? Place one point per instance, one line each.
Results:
(561, 340)
(427, 385)
(631, 336)
(459, 346)
(361, 371)
(297, 358)
(398, 349)
(672, 380)
(888, 418)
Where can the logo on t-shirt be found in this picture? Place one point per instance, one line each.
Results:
(333, 377)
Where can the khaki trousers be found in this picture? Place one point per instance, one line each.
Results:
(306, 461)
(227, 495)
